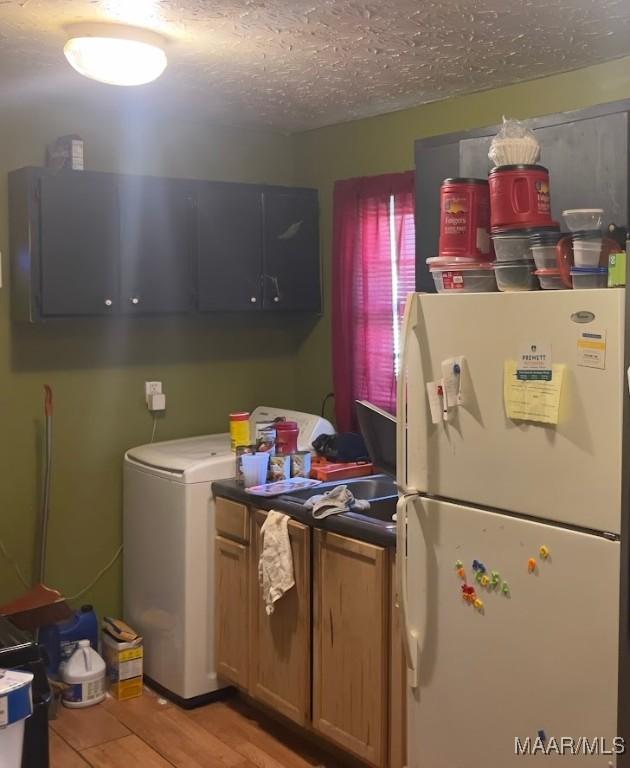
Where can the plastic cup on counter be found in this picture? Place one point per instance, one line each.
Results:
(255, 468)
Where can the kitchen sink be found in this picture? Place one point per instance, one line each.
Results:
(379, 490)
(369, 488)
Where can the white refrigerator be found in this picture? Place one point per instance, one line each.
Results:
(512, 562)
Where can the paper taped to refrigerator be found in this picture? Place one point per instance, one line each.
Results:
(534, 400)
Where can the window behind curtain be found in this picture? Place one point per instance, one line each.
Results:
(373, 271)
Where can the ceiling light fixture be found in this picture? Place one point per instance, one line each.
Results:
(115, 53)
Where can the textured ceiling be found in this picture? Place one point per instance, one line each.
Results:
(294, 65)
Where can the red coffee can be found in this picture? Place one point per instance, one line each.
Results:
(465, 219)
(519, 197)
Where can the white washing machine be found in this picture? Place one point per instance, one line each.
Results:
(168, 564)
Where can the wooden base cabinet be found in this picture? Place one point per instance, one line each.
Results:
(280, 644)
(232, 610)
(351, 642)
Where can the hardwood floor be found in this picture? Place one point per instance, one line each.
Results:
(149, 732)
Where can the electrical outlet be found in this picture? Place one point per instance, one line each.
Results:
(152, 388)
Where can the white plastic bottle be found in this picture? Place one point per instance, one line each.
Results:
(84, 674)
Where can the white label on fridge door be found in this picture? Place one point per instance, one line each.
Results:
(453, 377)
(534, 362)
(591, 349)
(435, 401)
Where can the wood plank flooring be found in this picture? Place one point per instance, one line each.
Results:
(149, 732)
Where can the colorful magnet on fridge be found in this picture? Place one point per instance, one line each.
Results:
(461, 573)
(505, 588)
(531, 565)
(458, 565)
(478, 604)
(544, 552)
(482, 567)
(484, 580)
(475, 565)
(495, 579)
(478, 577)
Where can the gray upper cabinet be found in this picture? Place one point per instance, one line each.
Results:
(291, 250)
(157, 244)
(585, 151)
(77, 239)
(100, 244)
(230, 247)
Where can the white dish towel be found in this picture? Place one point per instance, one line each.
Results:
(275, 567)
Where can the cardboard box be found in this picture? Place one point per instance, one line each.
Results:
(124, 666)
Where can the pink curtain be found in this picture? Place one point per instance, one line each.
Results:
(369, 217)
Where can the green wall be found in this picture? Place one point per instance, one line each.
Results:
(210, 366)
(97, 370)
(386, 143)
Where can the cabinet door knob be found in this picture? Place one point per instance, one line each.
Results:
(108, 302)
(135, 300)
(276, 299)
(253, 299)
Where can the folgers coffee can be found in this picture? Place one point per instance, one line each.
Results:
(465, 219)
(519, 197)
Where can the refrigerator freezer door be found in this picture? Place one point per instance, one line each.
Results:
(569, 472)
(541, 657)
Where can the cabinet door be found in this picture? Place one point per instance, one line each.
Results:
(229, 262)
(280, 649)
(351, 625)
(232, 611)
(78, 243)
(291, 252)
(157, 225)
(397, 682)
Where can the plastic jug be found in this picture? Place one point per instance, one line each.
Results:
(84, 675)
(60, 640)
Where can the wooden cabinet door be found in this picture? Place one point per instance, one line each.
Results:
(157, 240)
(232, 611)
(351, 625)
(229, 260)
(291, 250)
(280, 648)
(78, 244)
(397, 683)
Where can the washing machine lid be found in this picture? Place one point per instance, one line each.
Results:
(195, 459)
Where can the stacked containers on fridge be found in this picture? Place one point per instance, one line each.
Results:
(520, 206)
(465, 249)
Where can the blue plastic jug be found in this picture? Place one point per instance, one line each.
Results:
(60, 640)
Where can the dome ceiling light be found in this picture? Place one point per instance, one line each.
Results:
(116, 54)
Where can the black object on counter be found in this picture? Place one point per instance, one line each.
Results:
(18, 650)
(344, 446)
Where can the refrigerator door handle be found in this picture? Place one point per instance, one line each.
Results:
(410, 321)
(409, 635)
(401, 400)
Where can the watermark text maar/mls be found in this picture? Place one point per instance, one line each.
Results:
(569, 745)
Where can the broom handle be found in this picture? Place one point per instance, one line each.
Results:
(48, 412)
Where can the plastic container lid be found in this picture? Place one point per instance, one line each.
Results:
(571, 211)
(519, 167)
(552, 227)
(464, 180)
(548, 272)
(588, 234)
(462, 265)
(241, 416)
(589, 270)
(545, 238)
(515, 263)
(511, 234)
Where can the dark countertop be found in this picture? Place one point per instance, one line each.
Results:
(352, 524)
